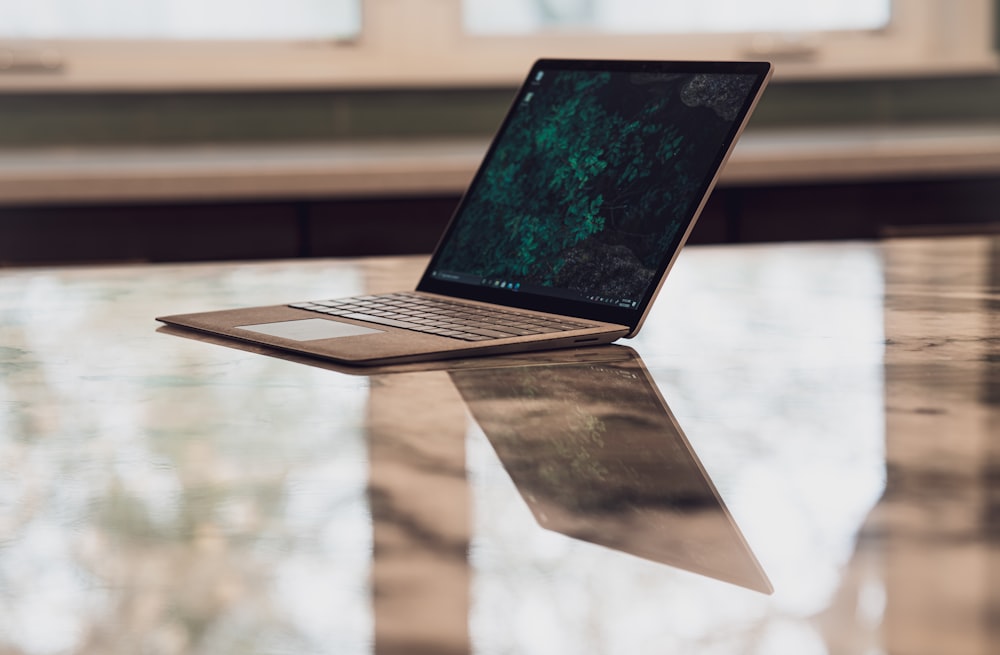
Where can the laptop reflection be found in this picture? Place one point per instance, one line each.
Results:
(596, 454)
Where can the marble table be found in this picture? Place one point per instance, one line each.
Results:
(799, 454)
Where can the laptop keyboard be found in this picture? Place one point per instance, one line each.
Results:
(446, 318)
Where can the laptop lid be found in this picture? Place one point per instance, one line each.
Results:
(592, 185)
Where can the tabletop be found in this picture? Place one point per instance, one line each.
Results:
(799, 453)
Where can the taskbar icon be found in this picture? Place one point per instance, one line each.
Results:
(501, 284)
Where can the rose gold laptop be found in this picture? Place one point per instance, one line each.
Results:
(566, 233)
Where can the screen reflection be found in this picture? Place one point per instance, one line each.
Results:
(597, 455)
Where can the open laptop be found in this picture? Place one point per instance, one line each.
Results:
(569, 227)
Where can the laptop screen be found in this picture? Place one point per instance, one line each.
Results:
(592, 183)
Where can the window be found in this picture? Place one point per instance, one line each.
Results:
(673, 16)
(274, 44)
(265, 20)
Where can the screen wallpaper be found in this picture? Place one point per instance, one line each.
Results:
(593, 182)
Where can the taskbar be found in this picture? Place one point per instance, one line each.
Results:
(514, 286)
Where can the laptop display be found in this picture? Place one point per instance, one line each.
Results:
(593, 182)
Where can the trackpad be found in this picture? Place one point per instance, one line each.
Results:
(308, 329)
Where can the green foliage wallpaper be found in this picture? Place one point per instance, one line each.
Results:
(594, 180)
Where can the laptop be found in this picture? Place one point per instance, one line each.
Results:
(596, 454)
(579, 209)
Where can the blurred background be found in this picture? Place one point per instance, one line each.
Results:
(176, 130)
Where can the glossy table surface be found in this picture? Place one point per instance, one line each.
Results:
(800, 453)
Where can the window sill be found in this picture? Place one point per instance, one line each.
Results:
(248, 173)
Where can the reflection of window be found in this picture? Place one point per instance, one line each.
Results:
(673, 16)
(363, 43)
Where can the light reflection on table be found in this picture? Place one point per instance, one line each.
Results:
(171, 495)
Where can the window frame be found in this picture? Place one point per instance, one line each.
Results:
(924, 37)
